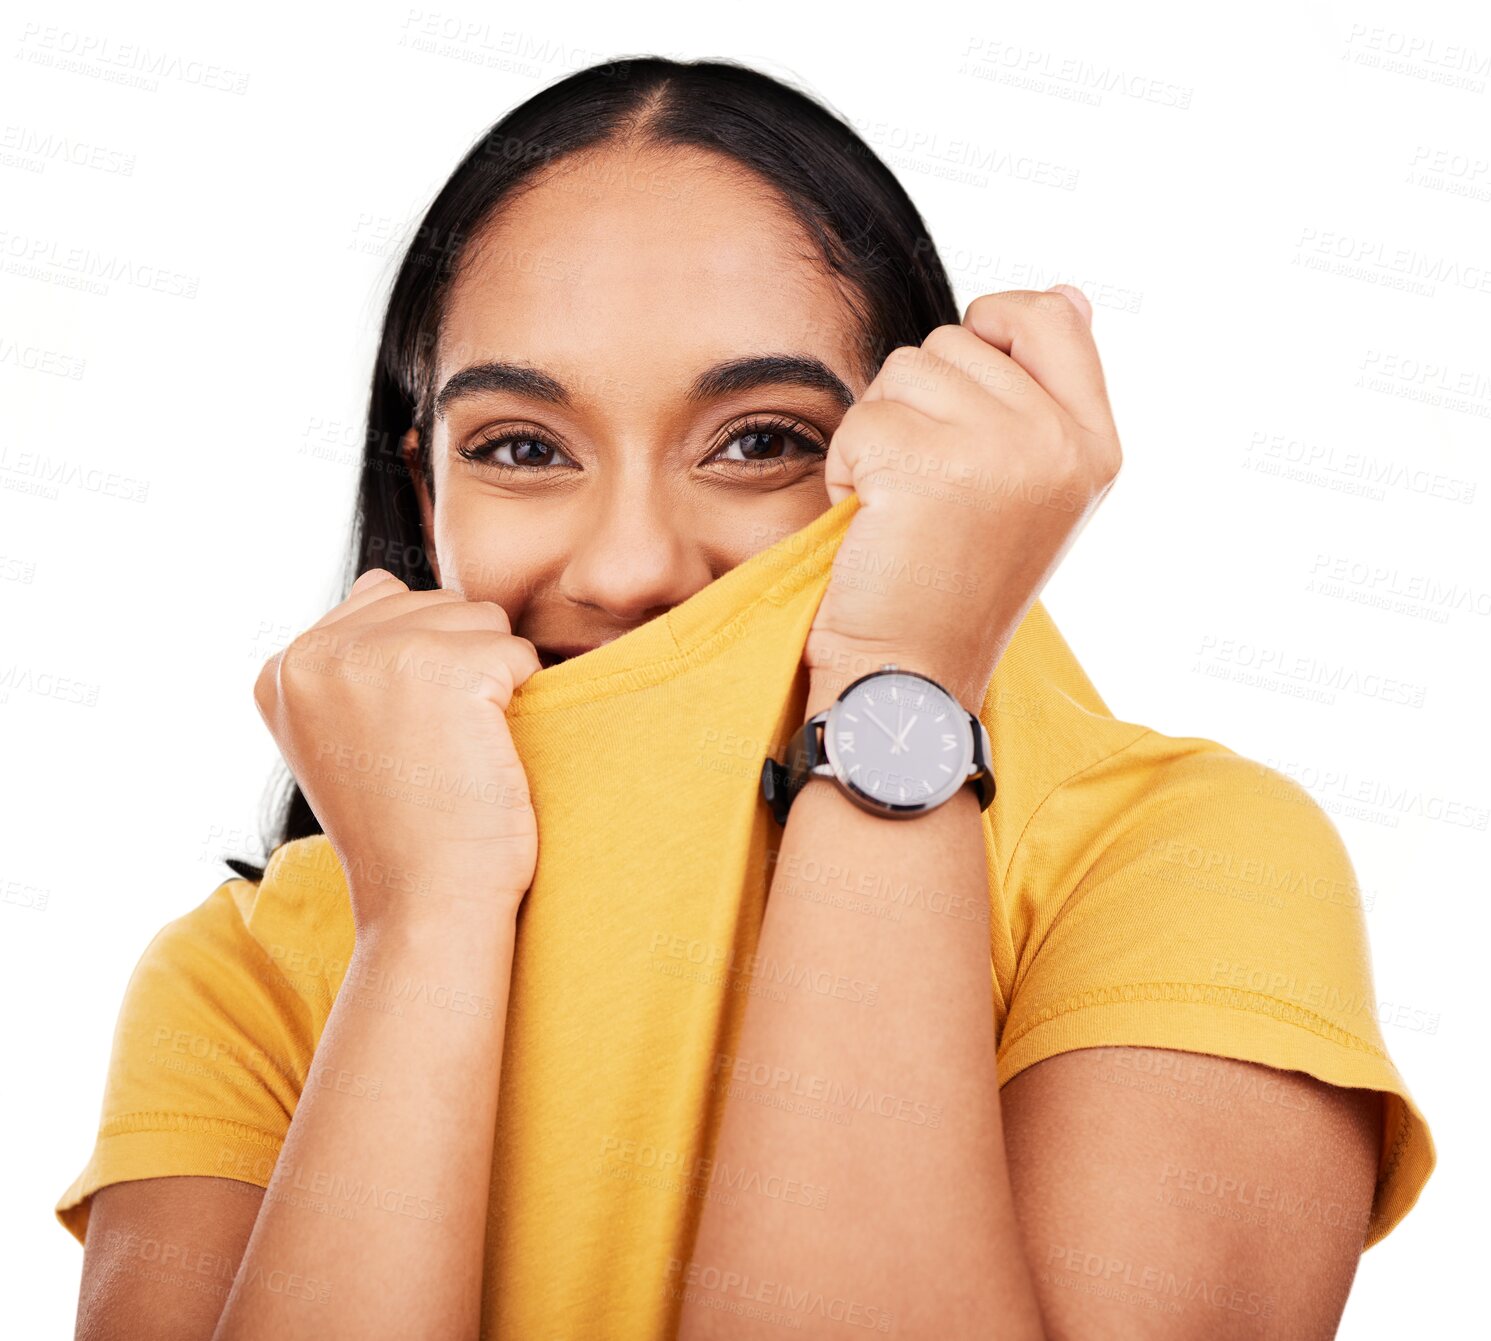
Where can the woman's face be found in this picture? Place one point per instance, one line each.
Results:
(636, 379)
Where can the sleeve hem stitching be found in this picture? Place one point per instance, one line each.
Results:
(1240, 999)
(130, 1123)
(1209, 994)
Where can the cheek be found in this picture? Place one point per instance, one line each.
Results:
(775, 515)
(493, 553)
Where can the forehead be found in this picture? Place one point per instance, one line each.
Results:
(625, 273)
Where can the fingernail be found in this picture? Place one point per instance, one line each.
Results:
(1079, 299)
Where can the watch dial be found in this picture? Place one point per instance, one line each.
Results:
(900, 740)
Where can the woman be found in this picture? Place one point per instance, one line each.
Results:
(676, 435)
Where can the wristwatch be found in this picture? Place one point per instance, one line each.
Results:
(896, 742)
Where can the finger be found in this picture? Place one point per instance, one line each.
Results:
(856, 449)
(373, 575)
(501, 661)
(1079, 300)
(382, 600)
(371, 585)
(487, 653)
(1047, 336)
(447, 616)
(469, 642)
(954, 375)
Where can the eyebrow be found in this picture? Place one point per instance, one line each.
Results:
(723, 379)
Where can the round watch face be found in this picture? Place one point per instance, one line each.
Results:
(899, 741)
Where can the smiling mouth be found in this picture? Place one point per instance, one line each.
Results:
(552, 656)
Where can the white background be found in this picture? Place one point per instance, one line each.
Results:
(1247, 253)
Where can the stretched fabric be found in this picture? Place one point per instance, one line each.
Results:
(1144, 889)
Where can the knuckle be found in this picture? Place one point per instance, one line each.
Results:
(983, 305)
(420, 645)
(946, 341)
(498, 615)
(296, 652)
(866, 417)
(1095, 463)
(264, 683)
(1076, 466)
(530, 658)
(1068, 458)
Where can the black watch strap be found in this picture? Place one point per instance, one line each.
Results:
(781, 782)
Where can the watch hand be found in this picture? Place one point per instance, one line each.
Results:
(880, 724)
(901, 739)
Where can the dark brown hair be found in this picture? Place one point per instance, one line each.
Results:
(869, 233)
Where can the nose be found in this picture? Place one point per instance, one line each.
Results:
(635, 551)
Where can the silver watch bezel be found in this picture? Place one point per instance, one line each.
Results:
(963, 771)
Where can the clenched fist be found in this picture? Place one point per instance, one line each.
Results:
(390, 711)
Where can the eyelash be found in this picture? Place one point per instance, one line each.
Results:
(782, 425)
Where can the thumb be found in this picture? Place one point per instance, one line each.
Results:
(1079, 299)
(367, 579)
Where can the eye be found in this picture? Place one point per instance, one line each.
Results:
(770, 442)
(526, 449)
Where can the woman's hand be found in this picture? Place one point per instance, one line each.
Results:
(390, 711)
(977, 457)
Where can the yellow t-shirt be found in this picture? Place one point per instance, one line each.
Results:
(1144, 889)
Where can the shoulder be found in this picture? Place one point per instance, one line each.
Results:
(300, 916)
(1179, 896)
(1175, 872)
(292, 926)
(214, 1037)
(1205, 822)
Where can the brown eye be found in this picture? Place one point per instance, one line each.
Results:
(769, 443)
(525, 451)
(760, 444)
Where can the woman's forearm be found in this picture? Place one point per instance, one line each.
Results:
(872, 1082)
(374, 1223)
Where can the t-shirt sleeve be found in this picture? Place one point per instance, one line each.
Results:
(1178, 895)
(210, 1052)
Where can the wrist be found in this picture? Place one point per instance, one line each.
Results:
(832, 667)
(438, 925)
